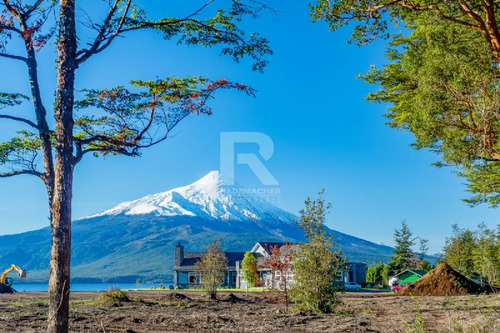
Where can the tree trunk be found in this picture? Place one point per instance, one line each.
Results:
(61, 204)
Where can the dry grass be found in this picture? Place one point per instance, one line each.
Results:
(149, 311)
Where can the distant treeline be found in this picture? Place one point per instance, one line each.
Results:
(475, 253)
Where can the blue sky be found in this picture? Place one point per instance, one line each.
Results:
(308, 102)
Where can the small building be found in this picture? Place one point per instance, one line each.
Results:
(185, 272)
(410, 275)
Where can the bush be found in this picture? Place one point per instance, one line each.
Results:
(115, 295)
(212, 269)
(315, 263)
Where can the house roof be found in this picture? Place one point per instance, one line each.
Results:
(267, 246)
(414, 271)
(191, 258)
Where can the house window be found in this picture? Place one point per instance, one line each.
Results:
(192, 278)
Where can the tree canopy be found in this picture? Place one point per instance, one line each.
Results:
(404, 257)
(475, 253)
(119, 120)
(249, 269)
(441, 80)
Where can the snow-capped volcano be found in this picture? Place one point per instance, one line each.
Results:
(208, 198)
(137, 238)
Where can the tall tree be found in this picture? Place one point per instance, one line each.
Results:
(212, 269)
(316, 263)
(404, 257)
(459, 251)
(115, 121)
(423, 248)
(374, 273)
(442, 79)
(249, 269)
(486, 256)
(475, 253)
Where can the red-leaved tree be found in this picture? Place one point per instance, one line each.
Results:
(280, 263)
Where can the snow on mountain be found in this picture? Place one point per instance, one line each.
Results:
(209, 198)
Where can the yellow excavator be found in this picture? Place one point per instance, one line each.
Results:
(6, 282)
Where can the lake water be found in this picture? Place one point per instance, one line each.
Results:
(87, 286)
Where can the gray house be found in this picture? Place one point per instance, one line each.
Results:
(184, 268)
(355, 272)
(185, 274)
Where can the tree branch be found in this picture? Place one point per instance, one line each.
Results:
(21, 172)
(23, 120)
(96, 46)
(10, 28)
(35, 6)
(15, 57)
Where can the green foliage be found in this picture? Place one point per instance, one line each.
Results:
(375, 273)
(423, 248)
(404, 257)
(486, 255)
(315, 264)
(119, 121)
(424, 265)
(212, 269)
(21, 152)
(370, 18)
(7, 99)
(125, 120)
(419, 326)
(387, 272)
(443, 87)
(114, 295)
(249, 269)
(458, 251)
(475, 253)
(441, 81)
(221, 29)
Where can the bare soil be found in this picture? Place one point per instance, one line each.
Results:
(165, 311)
(443, 281)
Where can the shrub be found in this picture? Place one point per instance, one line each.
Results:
(114, 295)
(212, 269)
(315, 263)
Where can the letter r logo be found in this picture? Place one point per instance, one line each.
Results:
(228, 141)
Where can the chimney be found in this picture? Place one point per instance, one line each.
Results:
(179, 254)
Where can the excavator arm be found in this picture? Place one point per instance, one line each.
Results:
(20, 272)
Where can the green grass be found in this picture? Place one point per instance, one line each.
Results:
(41, 303)
(17, 305)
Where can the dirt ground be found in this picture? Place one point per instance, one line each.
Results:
(159, 311)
